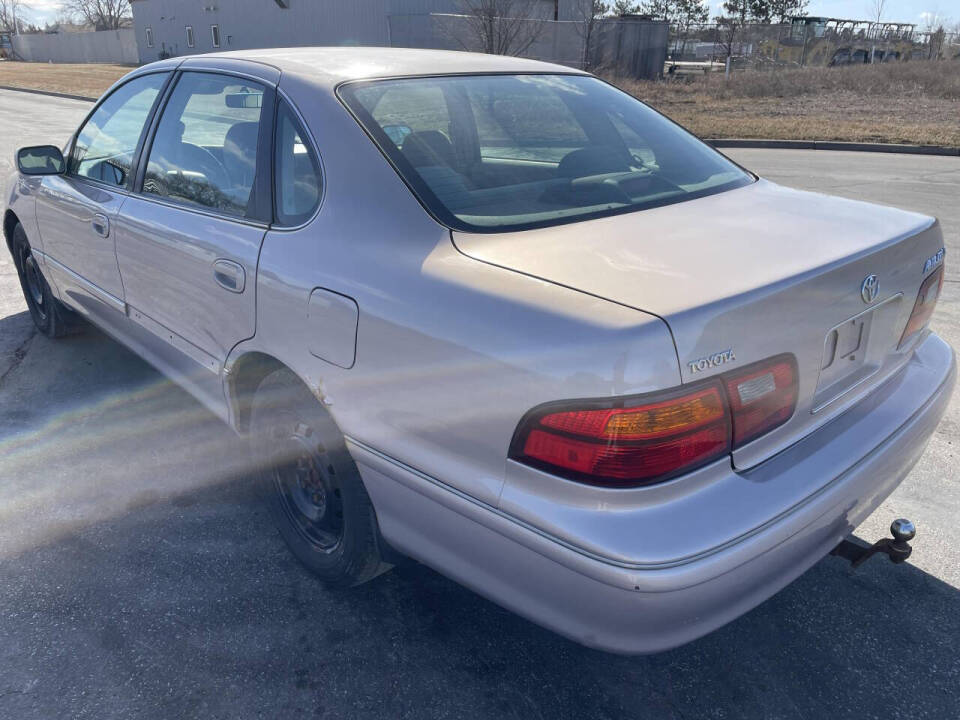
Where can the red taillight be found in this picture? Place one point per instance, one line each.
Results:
(924, 305)
(633, 444)
(762, 397)
(648, 439)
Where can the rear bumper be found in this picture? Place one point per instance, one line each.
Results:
(621, 608)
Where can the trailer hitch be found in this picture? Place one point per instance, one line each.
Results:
(897, 549)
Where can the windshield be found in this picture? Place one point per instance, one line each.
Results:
(507, 152)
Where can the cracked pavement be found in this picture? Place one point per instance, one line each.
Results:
(140, 578)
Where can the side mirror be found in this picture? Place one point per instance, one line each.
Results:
(40, 160)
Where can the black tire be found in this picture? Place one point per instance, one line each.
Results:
(51, 317)
(311, 484)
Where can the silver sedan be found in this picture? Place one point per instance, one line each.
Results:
(498, 316)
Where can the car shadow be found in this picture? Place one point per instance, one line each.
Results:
(140, 577)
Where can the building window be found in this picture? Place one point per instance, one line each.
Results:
(149, 32)
(215, 35)
(190, 42)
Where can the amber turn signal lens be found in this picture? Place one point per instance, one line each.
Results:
(644, 443)
(641, 440)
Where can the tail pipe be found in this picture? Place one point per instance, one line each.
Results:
(896, 548)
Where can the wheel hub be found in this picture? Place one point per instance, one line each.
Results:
(308, 488)
(311, 499)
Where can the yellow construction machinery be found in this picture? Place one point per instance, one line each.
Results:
(835, 41)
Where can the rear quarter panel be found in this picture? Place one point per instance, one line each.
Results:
(450, 352)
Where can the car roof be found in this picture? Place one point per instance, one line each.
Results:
(329, 66)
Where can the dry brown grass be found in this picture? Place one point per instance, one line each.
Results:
(914, 103)
(88, 80)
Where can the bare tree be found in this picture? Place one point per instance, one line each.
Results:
(625, 7)
(935, 42)
(501, 27)
(876, 8)
(727, 28)
(588, 14)
(689, 13)
(102, 14)
(659, 9)
(933, 20)
(732, 23)
(934, 26)
(783, 10)
(11, 15)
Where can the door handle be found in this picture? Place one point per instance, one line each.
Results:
(229, 275)
(101, 224)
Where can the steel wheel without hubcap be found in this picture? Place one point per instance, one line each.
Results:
(33, 281)
(306, 481)
(311, 483)
(50, 316)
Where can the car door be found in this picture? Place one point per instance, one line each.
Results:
(76, 210)
(189, 237)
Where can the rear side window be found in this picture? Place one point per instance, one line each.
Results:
(297, 176)
(205, 149)
(108, 140)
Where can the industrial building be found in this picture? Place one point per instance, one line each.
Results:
(166, 28)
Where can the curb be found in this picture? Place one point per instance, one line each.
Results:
(716, 142)
(835, 145)
(66, 96)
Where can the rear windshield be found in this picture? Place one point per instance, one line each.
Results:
(490, 153)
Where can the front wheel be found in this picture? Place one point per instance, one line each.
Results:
(51, 317)
(311, 484)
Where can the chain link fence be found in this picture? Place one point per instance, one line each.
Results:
(809, 43)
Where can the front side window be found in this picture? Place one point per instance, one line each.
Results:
(205, 149)
(296, 172)
(106, 143)
(490, 153)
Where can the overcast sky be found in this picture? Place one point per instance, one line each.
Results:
(911, 11)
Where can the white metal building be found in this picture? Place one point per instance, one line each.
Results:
(165, 28)
(183, 27)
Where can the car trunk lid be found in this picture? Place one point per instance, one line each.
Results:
(745, 275)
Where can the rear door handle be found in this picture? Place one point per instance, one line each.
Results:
(229, 275)
(101, 225)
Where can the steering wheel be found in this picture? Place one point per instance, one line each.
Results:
(201, 160)
(603, 189)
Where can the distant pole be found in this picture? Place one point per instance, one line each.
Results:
(726, 70)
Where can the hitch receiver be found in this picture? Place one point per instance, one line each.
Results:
(897, 549)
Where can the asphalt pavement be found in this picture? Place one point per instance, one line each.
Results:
(140, 578)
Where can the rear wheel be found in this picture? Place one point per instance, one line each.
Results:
(311, 484)
(51, 317)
